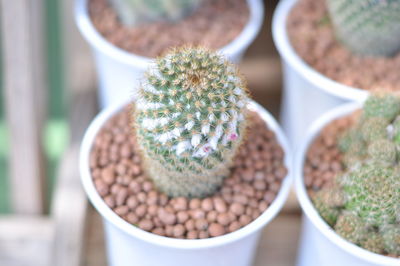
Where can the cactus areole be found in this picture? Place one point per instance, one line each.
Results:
(190, 119)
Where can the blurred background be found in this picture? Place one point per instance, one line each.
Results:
(70, 68)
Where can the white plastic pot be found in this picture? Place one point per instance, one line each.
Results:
(307, 93)
(319, 243)
(119, 71)
(128, 245)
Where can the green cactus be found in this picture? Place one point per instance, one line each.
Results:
(382, 151)
(133, 12)
(190, 120)
(351, 227)
(385, 105)
(327, 201)
(367, 27)
(373, 242)
(391, 238)
(372, 192)
(368, 213)
(373, 128)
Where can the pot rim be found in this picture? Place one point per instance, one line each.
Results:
(290, 56)
(87, 29)
(306, 203)
(186, 244)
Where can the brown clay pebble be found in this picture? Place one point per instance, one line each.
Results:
(166, 217)
(234, 226)
(132, 218)
(223, 218)
(179, 230)
(146, 225)
(192, 235)
(220, 205)
(201, 224)
(133, 196)
(237, 208)
(207, 204)
(206, 26)
(203, 234)
(216, 230)
(158, 231)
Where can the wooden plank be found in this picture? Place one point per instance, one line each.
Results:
(70, 203)
(79, 64)
(25, 240)
(22, 35)
(277, 247)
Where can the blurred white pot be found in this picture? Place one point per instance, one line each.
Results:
(307, 93)
(128, 245)
(119, 71)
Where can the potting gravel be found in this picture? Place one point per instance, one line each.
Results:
(214, 24)
(313, 38)
(118, 176)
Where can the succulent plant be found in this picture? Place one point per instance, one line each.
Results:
(363, 206)
(133, 12)
(367, 27)
(350, 226)
(190, 119)
(391, 238)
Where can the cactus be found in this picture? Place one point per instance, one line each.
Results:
(372, 192)
(373, 242)
(367, 27)
(327, 201)
(363, 206)
(190, 120)
(381, 104)
(391, 238)
(382, 151)
(351, 227)
(133, 12)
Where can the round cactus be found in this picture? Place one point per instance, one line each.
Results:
(374, 128)
(383, 105)
(132, 12)
(351, 227)
(327, 201)
(391, 239)
(367, 27)
(372, 192)
(190, 121)
(382, 151)
(373, 242)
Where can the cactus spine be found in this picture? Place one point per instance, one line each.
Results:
(367, 27)
(363, 206)
(190, 120)
(133, 12)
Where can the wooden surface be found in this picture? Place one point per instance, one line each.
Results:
(25, 87)
(25, 240)
(277, 247)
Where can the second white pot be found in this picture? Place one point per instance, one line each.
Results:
(307, 93)
(319, 244)
(118, 71)
(128, 245)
